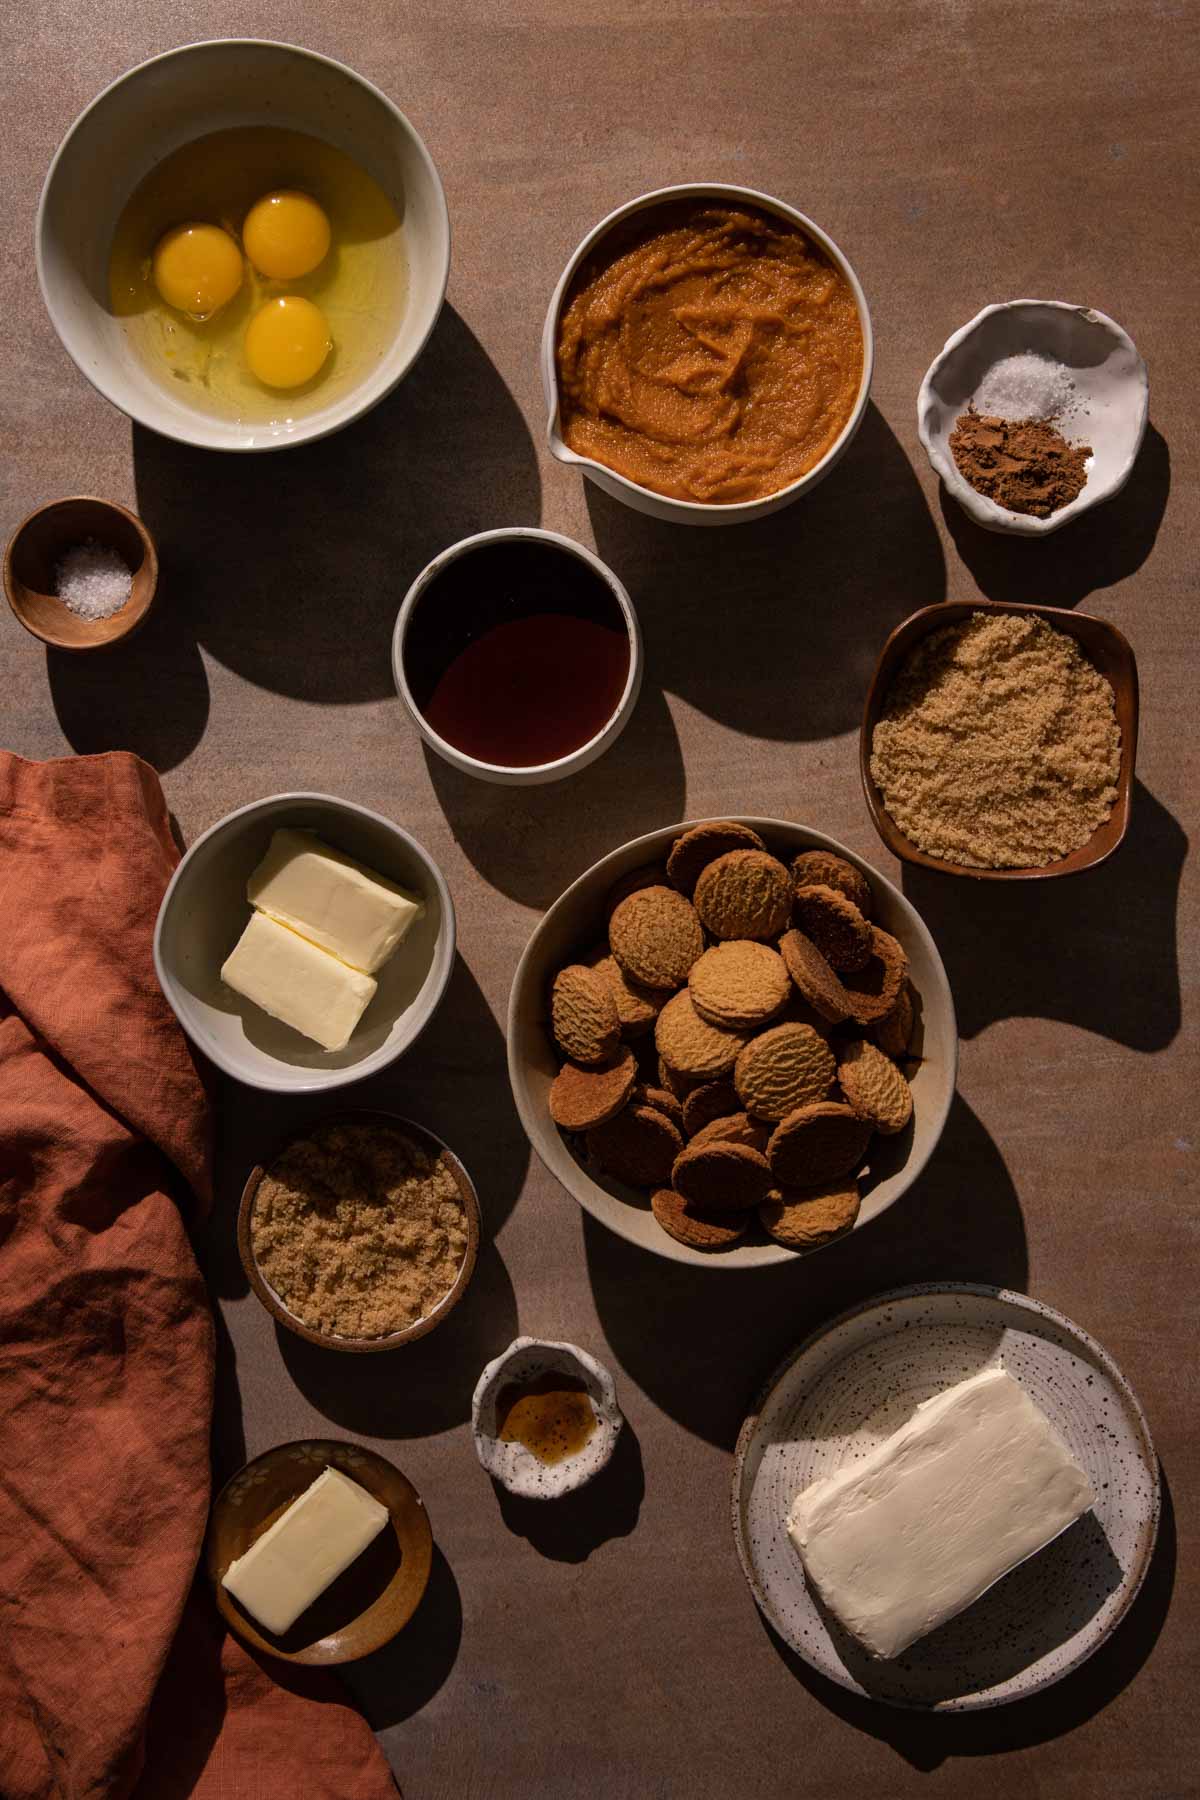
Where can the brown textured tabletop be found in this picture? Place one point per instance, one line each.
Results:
(960, 153)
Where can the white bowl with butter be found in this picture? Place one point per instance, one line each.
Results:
(376, 1010)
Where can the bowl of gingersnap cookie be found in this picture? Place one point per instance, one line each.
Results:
(733, 1042)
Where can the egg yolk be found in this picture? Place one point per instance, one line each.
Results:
(197, 269)
(287, 341)
(286, 235)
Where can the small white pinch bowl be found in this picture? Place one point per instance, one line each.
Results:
(533, 774)
(1112, 391)
(205, 910)
(184, 94)
(646, 500)
(516, 1468)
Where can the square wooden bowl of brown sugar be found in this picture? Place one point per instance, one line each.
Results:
(921, 694)
(360, 1232)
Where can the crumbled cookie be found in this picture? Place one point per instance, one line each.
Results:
(893, 1033)
(822, 868)
(637, 1006)
(700, 1231)
(655, 935)
(835, 925)
(802, 1218)
(582, 1098)
(649, 875)
(583, 1016)
(783, 1068)
(712, 1100)
(691, 853)
(638, 1146)
(874, 1087)
(721, 1177)
(874, 990)
(739, 983)
(817, 1143)
(735, 1128)
(744, 894)
(816, 982)
(693, 1046)
(662, 1100)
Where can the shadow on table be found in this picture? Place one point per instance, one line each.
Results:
(530, 843)
(926, 1739)
(570, 1528)
(417, 1389)
(774, 627)
(397, 1681)
(1101, 548)
(290, 567)
(149, 695)
(1096, 949)
(686, 1346)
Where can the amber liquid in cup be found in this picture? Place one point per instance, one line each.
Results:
(517, 653)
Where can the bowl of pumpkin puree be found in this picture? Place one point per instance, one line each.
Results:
(707, 355)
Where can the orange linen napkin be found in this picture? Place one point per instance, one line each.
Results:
(106, 1344)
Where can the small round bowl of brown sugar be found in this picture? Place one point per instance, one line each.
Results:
(360, 1232)
(998, 741)
(1034, 412)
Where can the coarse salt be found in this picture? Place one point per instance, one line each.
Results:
(92, 581)
(1027, 386)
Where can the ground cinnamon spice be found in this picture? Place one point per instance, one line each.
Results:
(1022, 464)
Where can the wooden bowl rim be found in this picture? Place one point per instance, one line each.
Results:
(139, 603)
(949, 612)
(420, 1547)
(361, 1115)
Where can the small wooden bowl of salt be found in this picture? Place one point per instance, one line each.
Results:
(81, 574)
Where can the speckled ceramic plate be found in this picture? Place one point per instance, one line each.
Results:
(855, 1382)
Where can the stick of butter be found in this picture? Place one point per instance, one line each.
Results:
(973, 1484)
(296, 982)
(306, 1549)
(331, 899)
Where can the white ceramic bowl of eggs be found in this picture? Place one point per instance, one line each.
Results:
(170, 101)
(1109, 399)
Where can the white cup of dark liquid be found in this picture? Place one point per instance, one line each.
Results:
(518, 656)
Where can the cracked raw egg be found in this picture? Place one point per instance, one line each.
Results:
(286, 235)
(197, 269)
(287, 341)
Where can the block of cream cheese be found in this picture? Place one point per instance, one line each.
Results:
(976, 1481)
(306, 1548)
(332, 900)
(296, 982)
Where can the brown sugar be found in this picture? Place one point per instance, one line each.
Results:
(359, 1230)
(998, 746)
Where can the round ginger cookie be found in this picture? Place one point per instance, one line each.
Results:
(735, 1128)
(893, 1033)
(662, 1100)
(675, 1083)
(816, 1144)
(637, 1146)
(817, 983)
(835, 925)
(744, 894)
(874, 1087)
(721, 1177)
(582, 1098)
(712, 1100)
(739, 983)
(583, 1016)
(701, 1231)
(873, 991)
(693, 1046)
(637, 1006)
(786, 1067)
(692, 853)
(822, 868)
(655, 935)
(802, 1218)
